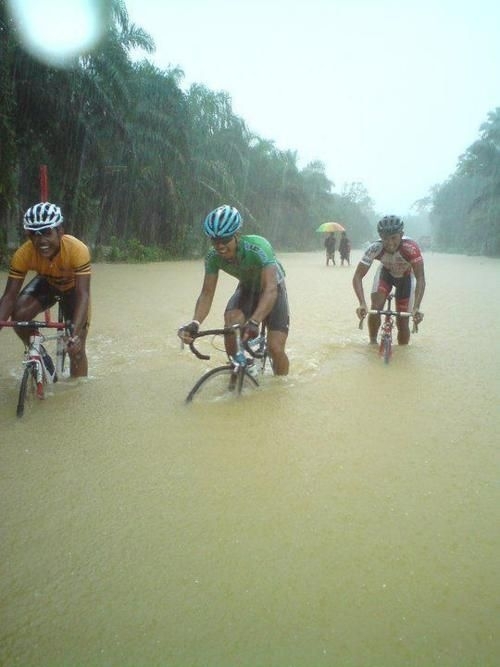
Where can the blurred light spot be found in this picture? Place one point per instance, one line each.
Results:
(59, 31)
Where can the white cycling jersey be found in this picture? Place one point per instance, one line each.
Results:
(399, 263)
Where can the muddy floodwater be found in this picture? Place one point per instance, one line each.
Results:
(346, 516)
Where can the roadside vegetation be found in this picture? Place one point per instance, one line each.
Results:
(136, 161)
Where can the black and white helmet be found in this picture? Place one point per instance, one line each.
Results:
(390, 224)
(42, 216)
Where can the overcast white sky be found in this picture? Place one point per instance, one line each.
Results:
(388, 93)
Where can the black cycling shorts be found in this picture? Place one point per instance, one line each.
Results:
(246, 301)
(40, 289)
(405, 287)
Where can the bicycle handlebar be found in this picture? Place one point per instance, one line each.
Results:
(34, 324)
(235, 329)
(207, 332)
(393, 313)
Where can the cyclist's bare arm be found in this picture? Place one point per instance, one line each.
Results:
(269, 294)
(357, 283)
(203, 304)
(418, 270)
(8, 300)
(80, 315)
(204, 301)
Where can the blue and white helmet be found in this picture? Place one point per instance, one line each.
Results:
(222, 222)
(42, 216)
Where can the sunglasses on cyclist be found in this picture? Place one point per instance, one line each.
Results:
(40, 232)
(222, 240)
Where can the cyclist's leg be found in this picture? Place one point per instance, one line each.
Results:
(32, 300)
(380, 289)
(405, 289)
(238, 309)
(276, 341)
(278, 322)
(78, 364)
(403, 330)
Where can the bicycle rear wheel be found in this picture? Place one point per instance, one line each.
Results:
(221, 383)
(28, 390)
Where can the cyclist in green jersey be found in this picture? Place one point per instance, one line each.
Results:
(261, 293)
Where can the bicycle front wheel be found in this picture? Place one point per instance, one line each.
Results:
(386, 349)
(28, 390)
(60, 357)
(221, 383)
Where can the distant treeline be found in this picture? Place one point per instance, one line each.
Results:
(136, 162)
(465, 210)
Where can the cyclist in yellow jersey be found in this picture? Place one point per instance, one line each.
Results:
(62, 265)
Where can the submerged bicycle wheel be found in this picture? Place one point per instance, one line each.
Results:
(28, 391)
(386, 349)
(61, 355)
(221, 383)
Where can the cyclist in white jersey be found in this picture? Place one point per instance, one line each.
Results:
(401, 266)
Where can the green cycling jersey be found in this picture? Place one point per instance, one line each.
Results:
(253, 254)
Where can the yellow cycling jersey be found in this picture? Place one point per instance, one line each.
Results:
(73, 259)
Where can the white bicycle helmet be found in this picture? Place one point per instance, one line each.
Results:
(42, 216)
(222, 222)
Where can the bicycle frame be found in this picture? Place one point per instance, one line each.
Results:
(35, 371)
(387, 327)
(256, 348)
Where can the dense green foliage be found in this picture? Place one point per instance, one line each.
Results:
(136, 161)
(465, 210)
(131, 156)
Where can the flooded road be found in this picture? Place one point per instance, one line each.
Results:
(344, 516)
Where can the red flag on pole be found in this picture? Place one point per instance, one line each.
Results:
(44, 183)
(44, 195)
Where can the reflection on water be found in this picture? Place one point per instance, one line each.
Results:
(345, 515)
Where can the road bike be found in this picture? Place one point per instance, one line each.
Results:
(39, 369)
(241, 372)
(387, 326)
